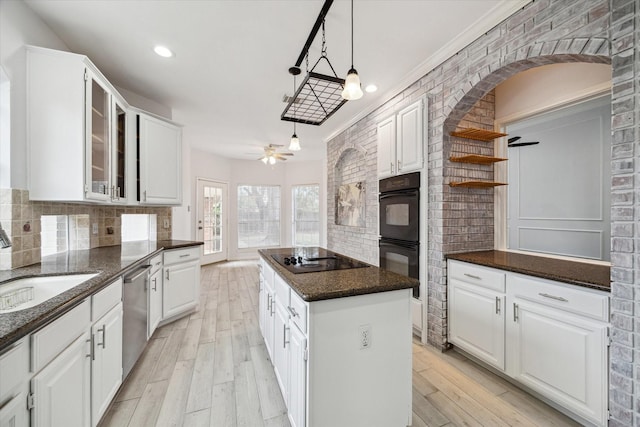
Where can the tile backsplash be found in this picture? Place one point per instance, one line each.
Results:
(20, 217)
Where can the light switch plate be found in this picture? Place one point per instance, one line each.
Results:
(94, 228)
(166, 223)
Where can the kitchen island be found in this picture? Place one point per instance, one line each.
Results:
(340, 341)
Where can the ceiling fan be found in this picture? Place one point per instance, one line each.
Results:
(271, 154)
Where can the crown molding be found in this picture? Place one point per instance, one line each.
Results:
(485, 23)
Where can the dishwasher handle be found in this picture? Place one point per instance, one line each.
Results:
(143, 269)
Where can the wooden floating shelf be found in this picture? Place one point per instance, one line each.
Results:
(477, 159)
(476, 184)
(478, 134)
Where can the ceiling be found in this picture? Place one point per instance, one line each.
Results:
(229, 74)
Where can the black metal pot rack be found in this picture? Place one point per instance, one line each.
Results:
(319, 96)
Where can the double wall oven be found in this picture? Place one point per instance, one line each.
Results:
(400, 225)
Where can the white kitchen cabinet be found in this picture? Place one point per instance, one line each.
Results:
(476, 311)
(155, 302)
(160, 157)
(14, 384)
(61, 392)
(72, 129)
(549, 336)
(266, 311)
(181, 282)
(555, 351)
(106, 364)
(400, 141)
(281, 348)
(14, 412)
(297, 377)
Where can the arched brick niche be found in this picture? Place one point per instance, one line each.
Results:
(351, 167)
(456, 215)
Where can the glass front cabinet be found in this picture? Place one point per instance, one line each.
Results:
(82, 138)
(106, 126)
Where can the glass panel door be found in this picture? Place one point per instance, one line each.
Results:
(211, 220)
(119, 145)
(98, 140)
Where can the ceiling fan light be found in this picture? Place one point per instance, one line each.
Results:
(294, 145)
(272, 160)
(352, 89)
(265, 160)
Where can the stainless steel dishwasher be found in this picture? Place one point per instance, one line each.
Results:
(135, 300)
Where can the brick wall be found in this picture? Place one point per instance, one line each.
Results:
(543, 32)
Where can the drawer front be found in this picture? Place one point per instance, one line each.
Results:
(181, 255)
(482, 276)
(282, 290)
(298, 310)
(571, 298)
(106, 299)
(14, 368)
(156, 263)
(49, 341)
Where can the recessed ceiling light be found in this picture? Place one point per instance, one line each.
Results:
(163, 51)
(371, 88)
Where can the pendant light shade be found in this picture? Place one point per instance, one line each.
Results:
(352, 89)
(294, 145)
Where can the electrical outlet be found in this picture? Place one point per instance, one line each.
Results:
(94, 228)
(364, 336)
(166, 223)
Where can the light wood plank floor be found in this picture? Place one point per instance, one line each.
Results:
(211, 369)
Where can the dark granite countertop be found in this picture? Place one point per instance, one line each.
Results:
(576, 273)
(109, 261)
(338, 283)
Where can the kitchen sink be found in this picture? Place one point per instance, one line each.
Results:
(21, 294)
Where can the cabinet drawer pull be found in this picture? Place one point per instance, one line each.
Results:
(92, 353)
(104, 336)
(553, 297)
(185, 255)
(284, 336)
(155, 280)
(167, 274)
(293, 312)
(497, 305)
(473, 276)
(515, 312)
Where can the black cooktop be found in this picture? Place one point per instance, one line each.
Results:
(314, 259)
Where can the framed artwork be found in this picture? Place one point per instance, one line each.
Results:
(350, 205)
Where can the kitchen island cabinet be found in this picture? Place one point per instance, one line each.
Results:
(342, 352)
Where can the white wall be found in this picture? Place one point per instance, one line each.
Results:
(19, 26)
(542, 88)
(239, 172)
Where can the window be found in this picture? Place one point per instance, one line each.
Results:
(306, 215)
(258, 216)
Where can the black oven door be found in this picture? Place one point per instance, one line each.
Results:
(400, 215)
(402, 258)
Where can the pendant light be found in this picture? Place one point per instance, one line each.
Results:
(294, 144)
(352, 89)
